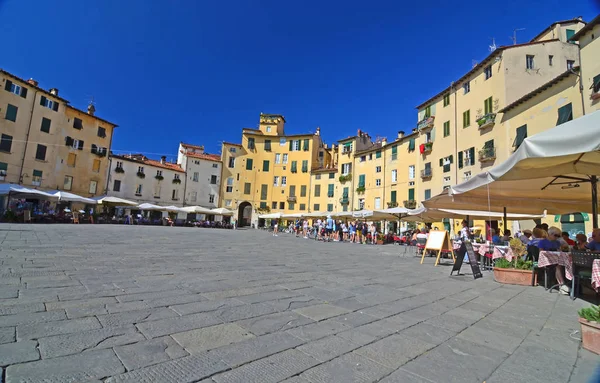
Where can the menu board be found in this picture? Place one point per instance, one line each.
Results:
(467, 248)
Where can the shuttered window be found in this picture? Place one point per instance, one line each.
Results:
(40, 153)
(521, 136)
(317, 190)
(247, 187)
(11, 113)
(45, 125)
(330, 190)
(411, 194)
(249, 164)
(361, 181)
(265, 166)
(263, 191)
(466, 118)
(267, 145)
(393, 196)
(565, 113)
(306, 145)
(304, 166)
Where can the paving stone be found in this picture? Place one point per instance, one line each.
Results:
(86, 311)
(273, 369)
(395, 350)
(274, 322)
(149, 296)
(207, 338)
(68, 344)
(246, 351)
(357, 337)
(378, 329)
(318, 330)
(347, 368)
(113, 308)
(133, 317)
(241, 292)
(232, 314)
(74, 368)
(204, 306)
(149, 352)
(7, 334)
(41, 330)
(428, 333)
(156, 328)
(320, 312)
(351, 303)
(403, 376)
(9, 292)
(286, 304)
(22, 308)
(79, 303)
(328, 348)
(269, 296)
(495, 340)
(175, 300)
(31, 318)
(18, 352)
(183, 370)
(355, 319)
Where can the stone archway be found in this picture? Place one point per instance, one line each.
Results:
(244, 214)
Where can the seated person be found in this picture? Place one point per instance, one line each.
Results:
(594, 244)
(526, 236)
(496, 238)
(553, 243)
(568, 240)
(538, 234)
(507, 236)
(581, 241)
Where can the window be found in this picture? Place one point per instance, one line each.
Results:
(247, 187)
(16, 89)
(596, 84)
(331, 176)
(292, 190)
(306, 145)
(268, 129)
(263, 205)
(267, 145)
(361, 181)
(488, 107)
(265, 165)
(77, 123)
(565, 113)
(428, 111)
(249, 164)
(175, 194)
(466, 158)
(394, 152)
(377, 203)
(394, 175)
(488, 73)
(466, 118)
(273, 205)
(140, 169)
(285, 158)
(570, 64)
(194, 198)
(329, 207)
(446, 99)
(316, 207)
(5, 143)
(232, 150)
(302, 207)
(411, 172)
(93, 187)
(294, 168)
(45, 125)
(347, 147)
(277, 158)
(276, 181)
(346, 169)
(378, 182)
(71, 160)
(117, 186)
(411, 145)
(294, 145)
(282, 205)
(570, 33)
(282, 142)
(283, 181)
(251, 143)
(159, 173)
(215, 165)
(291, 206)
(40, 153)
(330, 189)
(77, 144)
(96, 166)
(36, 180)
(229, 187)
(49, 104)
(231, 162)
(446, 162)
(411, 194)
(120, 164)
(378, 154)
(550, 58)
(521, 136)
(211, 198)
(427, 194)
(446, 128)
(363, 158)
(68, 183)
(317, 190)
(302, 191)
(317, 176)
(466, 87)
(195, 176)
(11, 113)
(377, 169)
(3, 169)
(213, 179)
(447, 179)
(304, 166)
(361, 203)
(175, 176)
(529, 62)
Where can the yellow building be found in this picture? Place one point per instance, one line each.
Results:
(590, 59)
(48, 144)
(324, 181)
(269, 171)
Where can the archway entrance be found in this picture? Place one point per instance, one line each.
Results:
(244, 214)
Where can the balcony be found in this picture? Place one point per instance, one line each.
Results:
(425, 124)
(392, 204)
(427, 147)
(291, 199)
(487, 154)
(410, 204)
(487, 121)
(360, 189)
(344, 200)
(344, 178)
(426, 173)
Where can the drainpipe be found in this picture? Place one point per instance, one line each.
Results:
(453, 89)
(581, 81)
(27, 139)
(109, 161)
(186, 179)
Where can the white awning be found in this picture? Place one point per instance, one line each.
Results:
(270, 216)
(174, 209)
(222, 211)
(114, 201)
(434, 215)
(20, 191)
(70, 197)
(197, 210)
(149, 206)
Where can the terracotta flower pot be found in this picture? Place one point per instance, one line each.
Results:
(590, 335)
(513, 276)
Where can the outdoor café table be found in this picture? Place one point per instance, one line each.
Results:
(596, 274)
(548, 258)
(503, 252)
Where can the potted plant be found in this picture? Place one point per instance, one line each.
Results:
(360, 189)
(176, 181)
(590, 328)
(517, 271)
(380, 239)
(119, 170)
(159, 177)
(141, 174)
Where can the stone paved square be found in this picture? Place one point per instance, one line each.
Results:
(159, 304)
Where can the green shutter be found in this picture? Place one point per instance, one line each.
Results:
(291, 145)
(378, 154)
(302, 192)
(346, 190)
(306, 145)
(411, 194)
(45, 125)
(330, 190)
(472, 154)
(249, 164)
(8, 85)
(4, 166)
(460, 160)
(570, 33)
(294, 166)
(411, 144)
(37, 173)
(393, 196)
(489, 144)
(427, 194)
(329, 207)
(263, 191)
(361, 180)
(268, 145)
(316, 207)
(24, 92)
(441, 162)
(446, 128)
(565, 113)
(43, 101)
(521, 136)
(304, 166)
(265, 166)
(11, 113)
(394, 149)
(247, 188)
(596, 83)
(292, 190)
(317, 190)
(451, 158)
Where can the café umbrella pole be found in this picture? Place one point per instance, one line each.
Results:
(594, 182)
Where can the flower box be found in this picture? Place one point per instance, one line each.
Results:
(590, 335)
(514, 276)
(487, 121)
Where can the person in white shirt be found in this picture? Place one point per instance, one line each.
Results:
(465, 232)
(526, 236)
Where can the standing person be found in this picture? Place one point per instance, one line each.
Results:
(344, 232)
(305, 228)
(365, 231)
(275, 227)
(465, 232)
(328, 228)
(373, 234)
(352, 231)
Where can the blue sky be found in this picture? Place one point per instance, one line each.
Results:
(199, 71)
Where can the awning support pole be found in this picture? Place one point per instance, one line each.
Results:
(594, 181)
(505, 221)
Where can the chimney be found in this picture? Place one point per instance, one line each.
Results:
(400, 133)
(359, 133)
(32, 82)
(91, 109)
(163, 159)
(54, 91)
(383, 142)
(318, 133)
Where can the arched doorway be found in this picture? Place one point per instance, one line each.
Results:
(573, 224)
(244, 214)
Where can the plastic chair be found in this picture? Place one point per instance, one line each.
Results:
(533, 254)
(582, 260)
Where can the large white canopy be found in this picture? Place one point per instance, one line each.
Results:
(20, 191)
(197, 210)
(114, 201)
(434, 215)
(396, 211)
(317, 214)
(70, 197)
(548, 172)
(373, 215)
(174, 209)
(221, 211)
(270, 216)
(294, 215)
(149, 206)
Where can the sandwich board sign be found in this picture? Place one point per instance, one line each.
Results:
(438, 240)
(467, 248)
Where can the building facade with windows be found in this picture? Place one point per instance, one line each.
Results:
(589, 44)
(47, 144)
(203, 175)
(137, 178)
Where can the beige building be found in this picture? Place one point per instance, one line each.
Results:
(590, 69)
(48, 144)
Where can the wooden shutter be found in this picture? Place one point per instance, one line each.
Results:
(43, 100)
(291, 145)
(411, 194)
(361, 180)
(330, 190)
(451, 158)
(23, 92)
(94, 148)
(45, 125)
(8, 85)
(68, 141)
(80, 147)
(55, 106)
(460, 160)
(441, 162)
(265, 166)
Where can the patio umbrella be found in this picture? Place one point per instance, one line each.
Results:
(70, 197)
(149, 206)
(174, 209)
(270, 216)
(110, 200)
(292, 215)
(316, 214)
(197, 210)
(549, 171)
(433, 215)
(375, 215)
(23, 192)
(222, 211)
